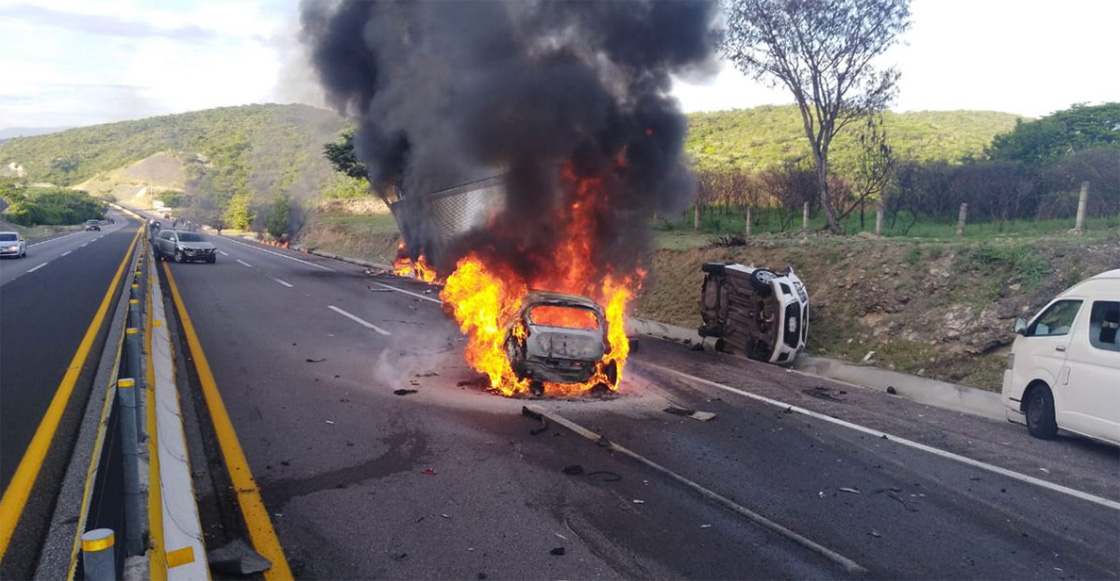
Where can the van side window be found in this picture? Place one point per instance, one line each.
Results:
(1104, 321)
(1056, 321)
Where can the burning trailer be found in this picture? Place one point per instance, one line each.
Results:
(754, 312)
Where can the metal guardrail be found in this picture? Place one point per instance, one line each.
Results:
(139, 486)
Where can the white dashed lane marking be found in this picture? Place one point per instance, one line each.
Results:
(282, 282)
(358, 320)
(244, 263)
(38, 267)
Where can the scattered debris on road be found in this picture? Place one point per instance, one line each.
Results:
(874, 533)
(696, 415)
(320, 360)
(405, 391)
(891, 390)
(849, 490)
(237, 558)
(557, 551)
(574, 470)
(639, 501)
(331, 422)
(429, 472)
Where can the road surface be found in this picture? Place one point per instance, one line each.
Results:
(795, 476)
(48, 302)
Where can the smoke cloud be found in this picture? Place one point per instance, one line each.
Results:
(445, 93)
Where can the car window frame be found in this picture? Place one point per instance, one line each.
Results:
(1095, 342)
(1031, 330)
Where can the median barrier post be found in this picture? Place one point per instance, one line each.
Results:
(134, 346)
(130, 451)
(99, 559)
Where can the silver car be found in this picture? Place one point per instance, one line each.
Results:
(755, 312)
(184, 247)
(12, 244)
(557, 338)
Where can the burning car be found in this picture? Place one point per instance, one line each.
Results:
(558, 338)
(755, 312)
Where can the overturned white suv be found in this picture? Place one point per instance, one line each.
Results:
(755, 312)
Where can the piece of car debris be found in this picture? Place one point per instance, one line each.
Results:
(573, 470)
(557, 551)
(639, 501)
(849, 490)
(331, 422)
(428, 471)
(310, 360)
(694, 414)
(405, 391)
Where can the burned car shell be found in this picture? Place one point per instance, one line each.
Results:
(555, 354)
(755, 312)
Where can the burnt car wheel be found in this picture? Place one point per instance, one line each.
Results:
(536, 388)
(760, 280)
(611, 372)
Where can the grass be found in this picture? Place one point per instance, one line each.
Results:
(720, 220)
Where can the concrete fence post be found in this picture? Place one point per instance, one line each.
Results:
(1082, 201)
(805, 217)
(748, 229)
(879, 220)
(130, 453)
(99, 559)
(961, 218)
(696, 217)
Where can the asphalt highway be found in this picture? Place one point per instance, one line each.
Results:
(795, 476)
(48, 301)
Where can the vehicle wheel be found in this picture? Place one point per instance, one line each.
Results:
(760, 280)
(611, 372)
(1040, 413)
(212, 259)
(178, 256)
(536, 388)
(721, 345)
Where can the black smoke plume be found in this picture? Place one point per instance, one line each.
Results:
(449, 92)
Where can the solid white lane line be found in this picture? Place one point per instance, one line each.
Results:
(84, 245)
(244, 263)
(282, 282)
(282, 255)
(358, 320)
(67, 252)
(910, 443)
(848, 564)
(417, 295)
(223, 253)
(37, 267)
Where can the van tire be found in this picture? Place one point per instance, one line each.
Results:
(1040, 413)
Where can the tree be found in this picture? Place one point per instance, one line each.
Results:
(1049, 139)
(873, 167)
(276, 221)
(237, 213)
(342, 156)
(821, 50)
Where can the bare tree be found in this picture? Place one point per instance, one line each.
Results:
(873, 167)
(821, 50)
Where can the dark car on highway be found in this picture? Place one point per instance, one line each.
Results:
(184, 247)
(93, 225)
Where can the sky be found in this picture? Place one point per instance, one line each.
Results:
(66, 63)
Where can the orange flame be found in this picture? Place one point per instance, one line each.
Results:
(404, 266)
(485, 298)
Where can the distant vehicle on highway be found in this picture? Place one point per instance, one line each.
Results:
(184, 247)
(558, 338)
(93, 225)
(12, 244)
(1064, 369)
(755, 312)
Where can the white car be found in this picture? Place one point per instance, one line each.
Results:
(1064, 369)
(755, 312)
(12, 244)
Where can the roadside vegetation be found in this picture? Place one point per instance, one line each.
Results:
(51, 206)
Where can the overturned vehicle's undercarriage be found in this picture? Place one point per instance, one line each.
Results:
(754, 312)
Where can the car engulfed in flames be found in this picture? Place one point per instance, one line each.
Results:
(559, 338)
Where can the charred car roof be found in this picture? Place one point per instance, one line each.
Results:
(554, 298)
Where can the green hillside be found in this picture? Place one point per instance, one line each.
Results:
(763, 137)
(261, 151)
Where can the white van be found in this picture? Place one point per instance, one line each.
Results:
(1064, 370)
